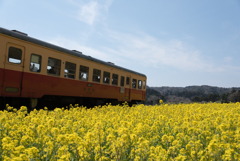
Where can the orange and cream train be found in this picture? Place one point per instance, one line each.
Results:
(34, 72)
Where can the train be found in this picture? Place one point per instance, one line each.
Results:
(34, 73)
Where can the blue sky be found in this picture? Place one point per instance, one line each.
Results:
(174, 42)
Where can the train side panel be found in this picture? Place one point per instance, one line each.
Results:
(2, 58)
(138, 94)
(1, 80)
(13, 64)
(38, 84)
(35, 85)
(12, 60)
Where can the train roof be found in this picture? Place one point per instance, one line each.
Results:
(25, 37)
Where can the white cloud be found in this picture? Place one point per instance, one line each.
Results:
(72, 45)
(153, 52)
(88, 12)
(147, 51)
(227, 59)
(92, 11)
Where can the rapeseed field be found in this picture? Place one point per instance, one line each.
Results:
(162, 132)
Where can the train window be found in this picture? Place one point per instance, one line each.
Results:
(127, 80)
(134, 83)
(54, 66)
(14, 55)
(122, 81)
(144, 84)
(35, 63)
(96, 75)
(83, 73)
(70, 70)
(139, 84)
(106, 77)
(114, 79)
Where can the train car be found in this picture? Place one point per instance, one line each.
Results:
(33, 72)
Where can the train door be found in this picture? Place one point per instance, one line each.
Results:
(13, 70)
(128, 89)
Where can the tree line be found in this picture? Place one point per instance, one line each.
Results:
(152, 96)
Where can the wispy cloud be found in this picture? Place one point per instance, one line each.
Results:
(228, 59)
(91, 11)
(72, 45)
(153, 52)
(148, 51)
(88, 12)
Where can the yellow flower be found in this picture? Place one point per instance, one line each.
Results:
(164, 138)
(33, 152)
(160, 132)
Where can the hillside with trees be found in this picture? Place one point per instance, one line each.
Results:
(192, 94)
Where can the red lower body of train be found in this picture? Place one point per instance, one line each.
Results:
(17, 86)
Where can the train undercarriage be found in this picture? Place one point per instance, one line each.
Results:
(52, 102)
